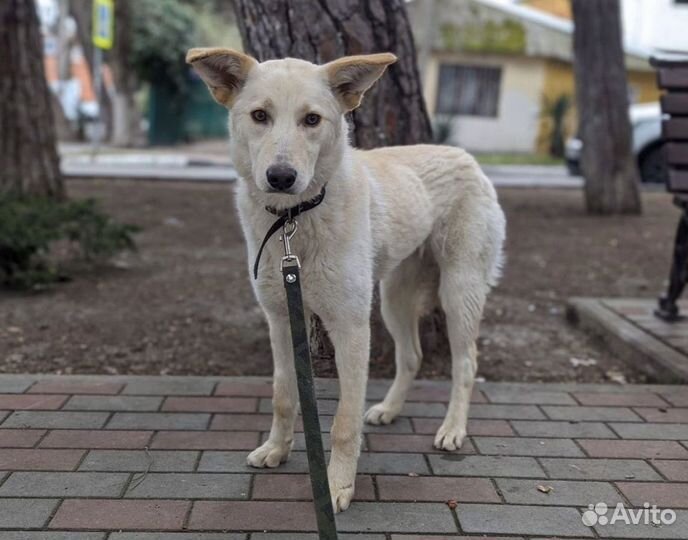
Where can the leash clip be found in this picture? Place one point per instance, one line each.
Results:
(288, 231)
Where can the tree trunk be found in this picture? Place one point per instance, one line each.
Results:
(29, 163)
(607, 162)
(393, 112)
(125, 113)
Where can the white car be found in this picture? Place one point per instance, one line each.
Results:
(646, 123)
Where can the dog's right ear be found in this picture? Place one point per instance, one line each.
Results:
(224, 71)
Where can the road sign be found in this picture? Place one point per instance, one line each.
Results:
(103, 23)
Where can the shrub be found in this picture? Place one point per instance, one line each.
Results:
(30, 226)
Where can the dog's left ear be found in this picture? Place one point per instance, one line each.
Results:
(224, 71)
(351, 76)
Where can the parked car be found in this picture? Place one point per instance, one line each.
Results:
(646, 123)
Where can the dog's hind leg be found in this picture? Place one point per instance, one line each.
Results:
(284, 399)
(462, 296)
(406, 294)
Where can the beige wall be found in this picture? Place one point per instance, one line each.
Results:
(515, 127)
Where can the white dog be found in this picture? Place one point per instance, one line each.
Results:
(423, 220)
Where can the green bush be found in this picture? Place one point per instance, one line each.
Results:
(30, 226)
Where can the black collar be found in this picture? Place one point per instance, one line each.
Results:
(284, 216)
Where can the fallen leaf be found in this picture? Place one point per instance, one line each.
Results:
(545, 489)
(452, 503)
(413, 474)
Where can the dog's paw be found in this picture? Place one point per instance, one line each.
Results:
(380, 414)
(449, 437)
(341, 497)
(269, 455)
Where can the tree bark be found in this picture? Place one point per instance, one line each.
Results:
(392, 113)
(29, 164)
(607, 162)
(125, 113)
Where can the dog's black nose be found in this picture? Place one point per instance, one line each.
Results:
(281, 177)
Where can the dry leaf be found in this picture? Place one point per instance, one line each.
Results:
(545, 489)
(452, 503)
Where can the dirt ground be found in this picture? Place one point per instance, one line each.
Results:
(183, 303)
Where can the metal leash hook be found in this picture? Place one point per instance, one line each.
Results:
(290, 266)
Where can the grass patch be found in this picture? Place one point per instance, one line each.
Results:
(517, 159)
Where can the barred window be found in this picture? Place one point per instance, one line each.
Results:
(468, 90)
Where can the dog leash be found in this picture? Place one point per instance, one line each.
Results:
(285, 216)
(290, 267)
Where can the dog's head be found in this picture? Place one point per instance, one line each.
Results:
(287, 116)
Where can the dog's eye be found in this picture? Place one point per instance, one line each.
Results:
(260, 116)
(312, 119)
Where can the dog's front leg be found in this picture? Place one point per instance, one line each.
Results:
(284, 399)
(352, 348)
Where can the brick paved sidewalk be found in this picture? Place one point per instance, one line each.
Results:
(153, 458)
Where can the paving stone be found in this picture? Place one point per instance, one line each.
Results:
(512, 446)
(453, 537)
(432, 488)
(210, 404)
(389, 463)
(20, 438)
(139, 461)
(232, 462)
(491, 466)
(65, 438)
(56, 420)
(64, 484)
(498, 428)
(664, 495)
(190, 486)
(506, 412)
(31, 402)
(306, 536)
(563, 493)
(125, 420)
(174, 536)
(382, 442)
(506, 394)
(536, 428)
(651, 431)
(298, 487)
(252, 516)
(526, 520)
(397, 517)
(69, 385)
(53, 535)
(113, 403)
(193, 440)
(249, 389)
(633, 449)
(598, 469)
(242, 422)
(679, 416)
(678, 398)
(25, 513)
(29, 459)
(676, 471)
(108, 514)
(677, 531)
(630, 399)
(594, 414)
(15, 384)
(182, 386)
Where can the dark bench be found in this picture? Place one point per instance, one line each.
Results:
(672, 77)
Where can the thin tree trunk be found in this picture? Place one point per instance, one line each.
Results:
(29, 163)
(125, 114)
(393, 112)
(607, 162)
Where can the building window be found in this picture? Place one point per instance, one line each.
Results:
(468, 90)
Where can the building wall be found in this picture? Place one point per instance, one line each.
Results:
(515, 127)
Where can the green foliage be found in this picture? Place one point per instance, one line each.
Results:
(30, 226)
(162, 32)
(506, 37)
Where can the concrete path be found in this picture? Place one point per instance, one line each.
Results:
(162, 458)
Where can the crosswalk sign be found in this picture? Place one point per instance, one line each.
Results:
(103, 23)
